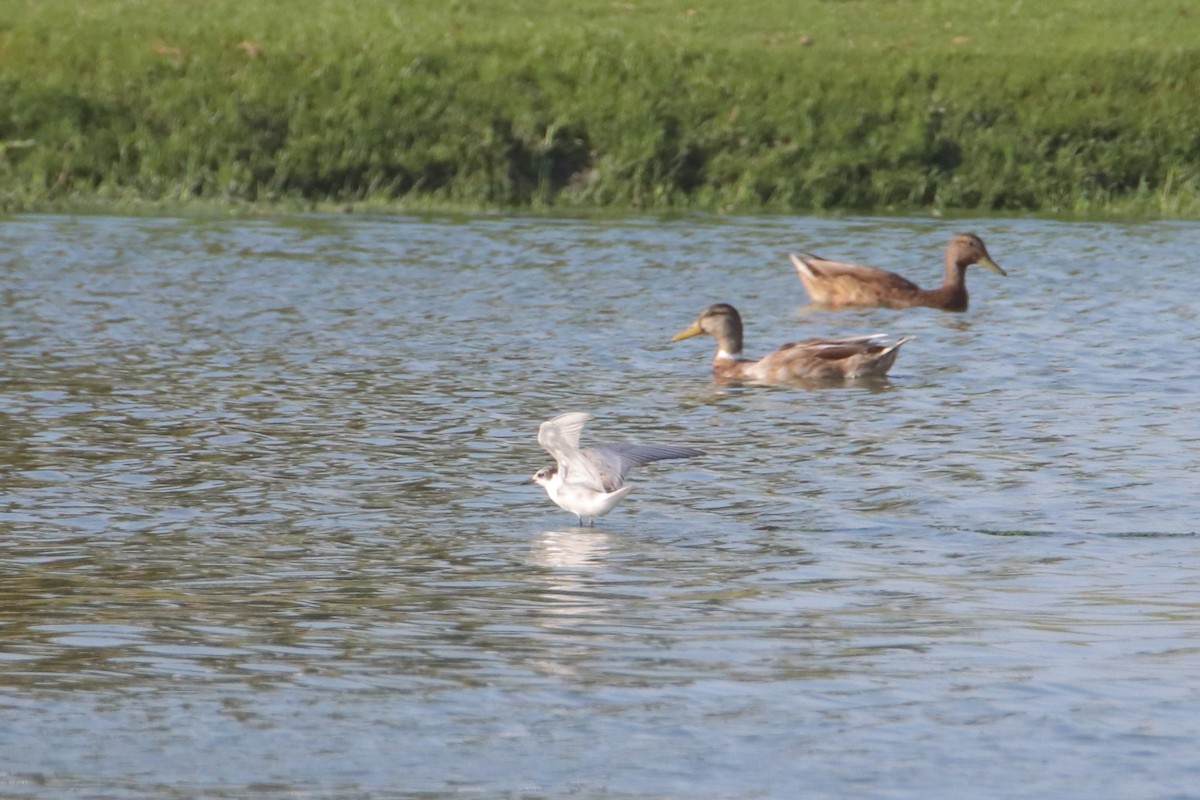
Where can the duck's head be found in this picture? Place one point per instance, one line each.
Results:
(722, 322)
(966, 249)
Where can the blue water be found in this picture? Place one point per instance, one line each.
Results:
(263, 531)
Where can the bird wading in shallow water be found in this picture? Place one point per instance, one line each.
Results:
(590, 481)
(809, 360)
(840, 285)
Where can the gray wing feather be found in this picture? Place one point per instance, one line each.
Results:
(612, 462)
(561, 434)
(603, 467)
(560, 438)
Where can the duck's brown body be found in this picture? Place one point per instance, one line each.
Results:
(809, 360)
(840, 285)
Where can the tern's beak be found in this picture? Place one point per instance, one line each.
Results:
(695, 330)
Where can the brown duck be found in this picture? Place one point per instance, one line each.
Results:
(839, 285)
(809, 360)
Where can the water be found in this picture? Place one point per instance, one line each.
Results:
(262, 531)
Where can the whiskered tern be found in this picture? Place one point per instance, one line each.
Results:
(590, 481)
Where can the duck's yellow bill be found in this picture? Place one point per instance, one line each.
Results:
(695, 330)
(987, 263)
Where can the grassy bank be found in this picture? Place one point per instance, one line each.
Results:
(1063, 106)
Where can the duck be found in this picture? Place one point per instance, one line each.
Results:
(808, 360)
(837, 284)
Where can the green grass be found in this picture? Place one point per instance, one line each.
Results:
(1055, 106)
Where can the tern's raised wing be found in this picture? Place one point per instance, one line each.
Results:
(560, 438)
(561, 434)
(610, 463)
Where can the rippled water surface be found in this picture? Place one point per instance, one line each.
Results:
(262, 531)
